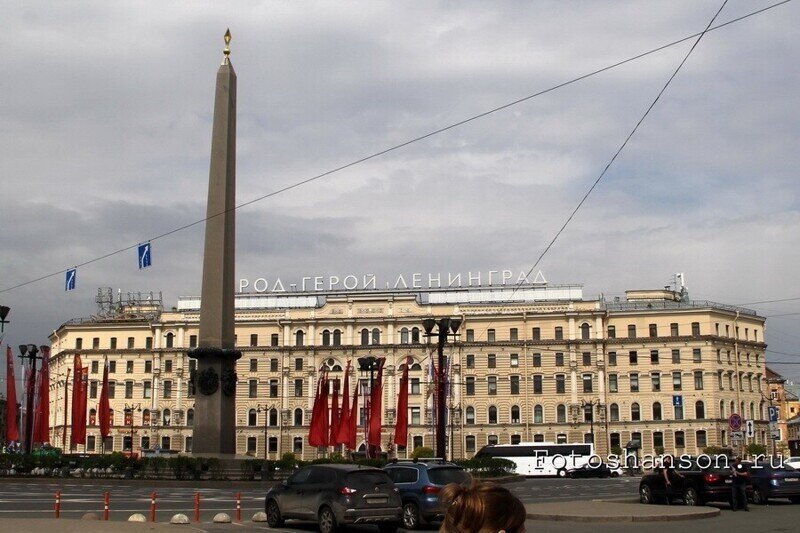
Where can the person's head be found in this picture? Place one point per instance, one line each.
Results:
(481, 508)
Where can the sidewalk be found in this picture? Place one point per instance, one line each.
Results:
(19, 525)
(601, 511)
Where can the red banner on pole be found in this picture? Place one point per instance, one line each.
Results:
(401, 428)
(335, 416)
(41, 432)
(376, 408)
(318, 430)
(352, 430)
(12, 426)
(344, 416)
(104, 409)
(78, 435)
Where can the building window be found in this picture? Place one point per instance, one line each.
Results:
(492, 414)
(148, 367)
(658, 439)
(166, 417)
(364, 337)
(614, 412)
(298, 388)
(514, 360)
(337, 337)
(515, 414)
(680, 439)
(538, 414)
(657, 411)
(128, 389)
(404, 339)
(112, 389)
(653, 330)
(254, 339)
(470, 386)
(698, 380)
(91, 443)
(696, 356)
(470, 360)
(514, 384)
(587, 359)
(113, 344)
(537, 384)
(470, 415)
(513, 334)
(470, 335)
(273, 388)
(633, 357)
(298, 364)
(190, 417)
(673, 329)
(585, 331)
(695, 329)
(376, 336)
(252, 388)
(634, 377)
(492, 360)
(559, 334)
(130, 343)
(561, 384)
(167, 388)
(559, 359)
(537, 360)
(253, 365)
(192, 341)
(701, 439)
(612, 358)
(273, 339)
(654, 357)
(536, 334)
(298, 417)
(676, 380)
(129, 367)
(273, 417)
(112, 367)
(561, 413)
(561, 438)
(416, 417)
(299, 338)
(168, 365)
(96, 343)
(614, 440)
(655, 381)
(632, 331)
(588, 413)
(415, 388)
(491, 440)
(613, 384)
(95, 367)
(492, 385)
(273, 365)
(170, 340)
(93, 389)
(147, 389)
(470, 443)
(148, 343)
(700, 410)
(679, 412)
(587, 383)
(252, 417)
(297, 446)
(490, 336)
(612, 332)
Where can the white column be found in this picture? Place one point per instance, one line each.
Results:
(287, 341)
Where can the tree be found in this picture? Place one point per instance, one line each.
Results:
(422, 451)
(754, 449)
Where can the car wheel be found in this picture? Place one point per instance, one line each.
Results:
(327, 520)
(645, 494)
(758, 497)
(691, 497)
(388, 527)
(562, 473)
(410, 516)
(274, 518)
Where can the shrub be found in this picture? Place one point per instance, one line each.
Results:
(288, 461)
(488, 466)
(422, 451)
(756, 449)
(659, 450)
(616, 450)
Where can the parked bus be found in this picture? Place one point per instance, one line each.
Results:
(541, 458)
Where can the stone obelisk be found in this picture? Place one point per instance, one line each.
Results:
(216, 354)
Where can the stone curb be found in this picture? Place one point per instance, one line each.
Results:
(709, 512)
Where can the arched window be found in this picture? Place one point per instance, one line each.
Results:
(585, 331)
(404, 336)
(298, 417)
(561, 413)
(92, 417)
(331, 365)
(761, 413)
(376, 336)
(614, 412)
(190, 417)
(470, 415)
(656, 411)
(273, 417)
(752, 411)
(492, 414)
(636, 413)
(166, 417)
(415, 366)
(515, 414)
(415, 335)
(299, 338)
(364, 337)
(588, 413)
(733, 408)
(110, 417)
(170, 340)
(146, 417)
(722, 409)
(326, 338)
(252, 418)
(538, 414)
(699, 409)
(337, 337)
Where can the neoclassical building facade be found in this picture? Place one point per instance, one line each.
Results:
(533, 363)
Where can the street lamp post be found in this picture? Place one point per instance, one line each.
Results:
(4, 310)
(447, 327)
(368, 364)
(591, 404)
(29, 352)
(129, 409)
(264, 409)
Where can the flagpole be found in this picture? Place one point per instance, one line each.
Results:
(66, 405)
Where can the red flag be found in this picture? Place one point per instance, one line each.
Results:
(317, 431)
(79, 390)
(104, 409)
(335, 416)
(41, 432)
(77, 370)
(12, 427)
(344, 415)
(376, 408)
(352, 420)
(401, 428)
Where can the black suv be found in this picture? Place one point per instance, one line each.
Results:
(698, 485)
(419, 483)
(334, 495)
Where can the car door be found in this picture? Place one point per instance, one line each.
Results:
(310, 498)
(404, 478)
(294, 489)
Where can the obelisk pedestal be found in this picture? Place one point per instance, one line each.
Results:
(216, 354)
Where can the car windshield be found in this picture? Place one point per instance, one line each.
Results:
(367, 479)
(443, 476)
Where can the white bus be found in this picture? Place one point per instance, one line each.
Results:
(541, 458)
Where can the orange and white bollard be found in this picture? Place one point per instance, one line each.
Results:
(238, 506)
(196, 506)
(58, 504)
(153, 506)
(106, 502)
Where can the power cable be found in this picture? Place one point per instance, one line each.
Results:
(401, 145)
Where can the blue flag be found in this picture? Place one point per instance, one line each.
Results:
(69, 282)
(145, 257)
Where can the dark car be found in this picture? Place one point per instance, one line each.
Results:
(768, 482)
(336, 495)
(419, 483)
(593, 470)
(698, 484)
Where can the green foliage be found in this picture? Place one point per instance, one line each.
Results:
(288, 461)
(659, 450)
(422, 451)
(183, 467)
(716, 450)
(488, 466)
(616, 450)
(756, 449)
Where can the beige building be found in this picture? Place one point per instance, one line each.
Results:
(535, 364)
(785, 400)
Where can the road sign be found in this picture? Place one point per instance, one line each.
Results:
(750, 428)
(735, 422)
(773, 413)
(677, 400)
(145, 257)
(69, 281)
(737, 435)
(776, 434)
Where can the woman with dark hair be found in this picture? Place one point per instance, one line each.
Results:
(481, 508)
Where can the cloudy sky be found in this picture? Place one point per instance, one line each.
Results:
(106, 124)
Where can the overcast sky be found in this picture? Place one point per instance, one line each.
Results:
(106, 125)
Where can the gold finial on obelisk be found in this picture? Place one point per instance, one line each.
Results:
(227, 50)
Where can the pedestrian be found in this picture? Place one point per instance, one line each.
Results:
(739, 488)
(671, 479)
(481, 508)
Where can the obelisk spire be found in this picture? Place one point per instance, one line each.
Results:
(215, 431)
(227, 50)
